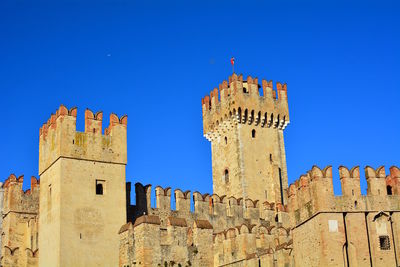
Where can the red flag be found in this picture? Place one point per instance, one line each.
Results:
(232, 61)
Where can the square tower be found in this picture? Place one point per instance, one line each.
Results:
(245, 127)
(82, 197)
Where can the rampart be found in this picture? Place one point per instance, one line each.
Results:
(239, 230)
(59, 138)
(313, 192)
(20, 201)
(238, 101)
(20, 223)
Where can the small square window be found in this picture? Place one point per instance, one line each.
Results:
(100, 187)
(384, 242)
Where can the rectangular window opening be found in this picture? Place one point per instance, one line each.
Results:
(100, 187)
(384, 242)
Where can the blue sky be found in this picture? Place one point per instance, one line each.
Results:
(155, 61)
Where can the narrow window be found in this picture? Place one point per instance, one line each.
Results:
(49, 199)
(226, 140)
(389, 190)
(270, 157)
(100, 187)
(280, 184)
(226, 175)
(384, 242)
(352, 192)
(253, 133)
(355, 204)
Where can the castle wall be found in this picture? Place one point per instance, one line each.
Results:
(1, 210)
(90, 221)
(50, 217)
(234, 232)
(351, 229)
(20, 227)
(260, 173)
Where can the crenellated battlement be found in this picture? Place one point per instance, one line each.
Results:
(313, 192)
(244, 241)
(18, 200)
(221, 211)
(237, 101)
(59, 138)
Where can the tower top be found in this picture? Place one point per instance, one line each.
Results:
(239, 101)
(58, 138)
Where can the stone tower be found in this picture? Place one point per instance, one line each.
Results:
(244, 123)
(82, 197)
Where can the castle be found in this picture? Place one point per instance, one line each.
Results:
(79, 212)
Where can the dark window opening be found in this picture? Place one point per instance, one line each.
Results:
(226, 140)
(280, 184)
(94, 130)
(384, 242)
(253, 133)
(352, 192)
(276, 218)
(99, 187)
(245, 90)
(389, 190)
(270, 157)
(355, 204)
(226, 175)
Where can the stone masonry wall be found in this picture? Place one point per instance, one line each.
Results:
(20, 223)
(348, 230)
(219, 231)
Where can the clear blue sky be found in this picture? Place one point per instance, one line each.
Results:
(155, 61)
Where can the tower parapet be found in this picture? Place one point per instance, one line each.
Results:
(239, 101)
(59, 138)
(20, 201)
(393, 181)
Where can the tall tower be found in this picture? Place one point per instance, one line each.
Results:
(82, 197)
(245, 127)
